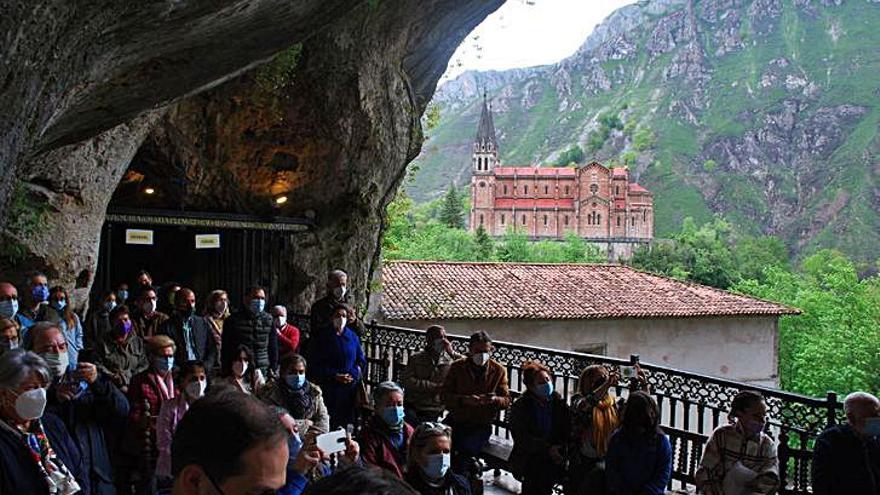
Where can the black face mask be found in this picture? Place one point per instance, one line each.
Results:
(187, 312)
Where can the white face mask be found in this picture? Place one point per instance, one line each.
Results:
(339, 323)
(196, 389)
(58, 362)
(339, 292)
(281, 321)
(480, 358)
(149, 307)
(30, 405)
(239, 368)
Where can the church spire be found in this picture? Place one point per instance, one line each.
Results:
(486, 130)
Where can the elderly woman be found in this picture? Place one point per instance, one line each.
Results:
(299, 397)
(121, 351)
(539, 422)
(595, 414)
(430, 458)
(386, 437)
(37, 456)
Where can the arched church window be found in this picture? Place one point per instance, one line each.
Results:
(618, 221)
(598, 218)
(526, 190)
(481, 219)
(617, 190)
(594, 188)
(482, 184)
(545, 220)
(524, 220)
(546, 189)
(502, 219)
(566, 190)
(505, 189)
(565, 219)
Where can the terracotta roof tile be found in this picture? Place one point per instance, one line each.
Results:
(636, 188)
(419, 290)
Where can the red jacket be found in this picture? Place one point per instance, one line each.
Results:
(143, 391)
(288, 339)
(376, 448)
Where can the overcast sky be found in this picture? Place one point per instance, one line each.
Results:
(522, 35)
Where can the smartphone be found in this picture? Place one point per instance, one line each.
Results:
(332, 442)
(627, 371)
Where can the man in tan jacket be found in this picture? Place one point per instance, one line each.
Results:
(424, 376)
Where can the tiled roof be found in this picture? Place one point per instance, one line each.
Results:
(526, 203)
(636, 188)
(619, 172)
(423, 290)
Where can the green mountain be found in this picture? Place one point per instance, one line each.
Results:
(764, 111)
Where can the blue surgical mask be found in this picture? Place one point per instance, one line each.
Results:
(544, 389)
(257, 305)
(294, 445)
(393, 415)
(872, 427)
(163, 364)
(110, 305)
(295, 382)
(122, 295)
(40, 293)
(59, 305)
(9, 308)
(437, 465)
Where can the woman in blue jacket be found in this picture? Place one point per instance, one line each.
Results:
(639, 457)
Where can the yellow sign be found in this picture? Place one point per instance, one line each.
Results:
(139, 237)
(208, 241)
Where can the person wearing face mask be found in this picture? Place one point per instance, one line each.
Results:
(424, 375)
(168, 297)
(846, 458)
(740, 457)
(321, 312)
(144, 282)
(8, 335)
(301, 398)
(539, 423)
(475, 390)
(385, 439)
(59, 311)
(121, 352)
(122, 293)
(639, 458)
(87, 402)
(10, 308)
(216, 312)
(34, 298)
(251, 326)
(430, 459)
(148, 391)
(146, 318)
(193, 381)
(191, 333)
(242, 374)
(288, 335)
(97, 325)
(337, 362)
(37, 454)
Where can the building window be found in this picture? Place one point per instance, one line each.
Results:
(644, 215)
(481, 219)
(502, 219)
(566, 190)
(546, 189)
(633, 221)
(617, 190)
(618, 221)
(526, 190)
(524, 220)
(482, 184)
(565, 219)
(598, 219)
(505, 189)
(545, 220)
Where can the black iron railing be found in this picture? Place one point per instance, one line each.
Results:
(692, 405)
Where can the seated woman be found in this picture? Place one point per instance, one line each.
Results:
(193, 380)
(385, 439)
(740, 457)
(639, 457)
(539, 422)
(430, 458)
(242, 373)
(121, 351)
(595, 414)
(302, 399)
(337, 361)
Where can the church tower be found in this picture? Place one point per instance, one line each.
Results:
(485, 155)
(484, 159)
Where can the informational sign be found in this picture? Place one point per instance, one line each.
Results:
(208, 241)
(139, 237)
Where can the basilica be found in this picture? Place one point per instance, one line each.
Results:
(600, 204)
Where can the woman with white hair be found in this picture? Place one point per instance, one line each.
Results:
(37, 456)
(385, 439)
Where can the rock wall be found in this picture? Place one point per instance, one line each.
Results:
(342, 132)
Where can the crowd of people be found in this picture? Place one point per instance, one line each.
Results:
(153, 396)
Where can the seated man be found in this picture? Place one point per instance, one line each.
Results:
(846, 458)
(252, 460)
(147, 319)
(475, 391)
(385, 440)
(424, 375)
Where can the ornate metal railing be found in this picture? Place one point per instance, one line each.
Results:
(692, 405)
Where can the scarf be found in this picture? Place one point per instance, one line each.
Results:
(604, 423)
(299, 402)
(165, 386)
(56, 475)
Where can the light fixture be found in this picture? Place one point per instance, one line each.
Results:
(149, 190)
(280, 200)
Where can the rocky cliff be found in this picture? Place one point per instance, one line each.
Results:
(765, 111)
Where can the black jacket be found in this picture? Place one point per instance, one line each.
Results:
(843, 462)
(18, 470)
(252, 330)
(101, 406)
(530, 445)
(203, 343)
(458, 484)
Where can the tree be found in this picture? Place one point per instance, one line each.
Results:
(572, 155)
(515, 247)
(485, 245)
(452, 213)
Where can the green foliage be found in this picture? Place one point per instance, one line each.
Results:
(514, 247)
(643, 139)
(432, 117)
(833, 344)
(277, 75)
(754, 255)
(26, 217)
(485, 245)
(452, 214)
(572, 155)
(628, 158)
(709, 165)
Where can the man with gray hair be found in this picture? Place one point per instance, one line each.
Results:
(322, 309)
(846, 458)
(288, 335)
(385, 440)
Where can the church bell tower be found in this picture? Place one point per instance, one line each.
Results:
(485, 154)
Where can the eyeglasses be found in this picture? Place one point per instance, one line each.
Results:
(221, 492)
